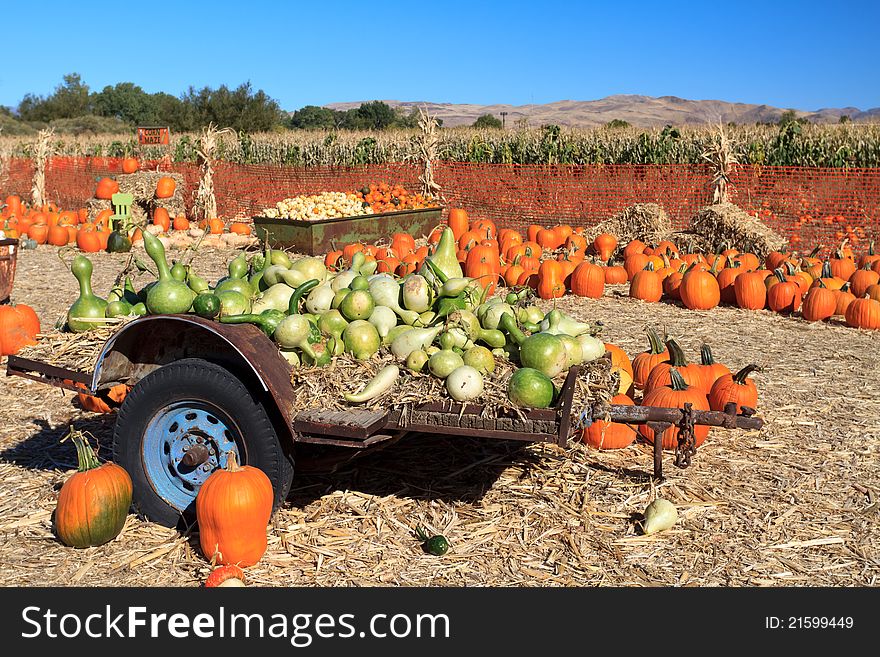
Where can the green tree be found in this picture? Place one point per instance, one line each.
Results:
(844, 119)
(240, 108)
(374, 115)
(788, 116)
(487, 121)
(127, 102)
(312, 117)
(617, 123)
(70, 99)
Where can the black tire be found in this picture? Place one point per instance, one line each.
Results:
(194, 379)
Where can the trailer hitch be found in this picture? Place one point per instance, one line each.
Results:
(660, 419)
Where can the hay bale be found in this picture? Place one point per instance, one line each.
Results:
(97, 205)
(647, 222)
(725, 225)
(142, 186)
(690, 242)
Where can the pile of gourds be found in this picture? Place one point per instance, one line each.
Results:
(433, 321)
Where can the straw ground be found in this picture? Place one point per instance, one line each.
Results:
(794, 504)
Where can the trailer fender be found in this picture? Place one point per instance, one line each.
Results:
(147, 343)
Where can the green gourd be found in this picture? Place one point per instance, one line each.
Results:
(129, 294)
(118, 308)
(207, 305)
(88, 305)
(267, 321)
(196, 283)
(178, 272)
(167, 295)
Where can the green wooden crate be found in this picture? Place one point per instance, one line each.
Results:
(319, 237)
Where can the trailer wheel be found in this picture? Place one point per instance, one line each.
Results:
(177, 425)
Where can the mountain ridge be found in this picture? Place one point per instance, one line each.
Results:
(637, 110)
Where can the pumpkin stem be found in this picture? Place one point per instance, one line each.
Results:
(706, 357)
(232, 462)
(85, 455)
(815, 251)
(822, 283)
(676, 381)
(650, 265)
(826, 270)
(676, 355)
(789, 265)
(779, 275)
(654, 339)
(740, 377)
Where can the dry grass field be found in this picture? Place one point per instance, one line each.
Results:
(794, 504)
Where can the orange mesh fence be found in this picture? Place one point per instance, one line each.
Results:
(810, 206)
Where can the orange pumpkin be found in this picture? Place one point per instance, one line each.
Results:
(39, 233)
(736, 388)
(93, 504)
(58, 235)
(233, 509)
(644, 362)
(402, 244)
(180, 222)
(240, 228)
(106, 188)
(605, 244)
(129, 165)
(675, 395)
(551, 280)
(106, 403)
(165, 187)
(162, 219)
(588, 280)
(459, 222)
(19, 326)
(610, 435)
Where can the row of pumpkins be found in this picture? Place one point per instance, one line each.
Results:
(558, 260)
(49, 224)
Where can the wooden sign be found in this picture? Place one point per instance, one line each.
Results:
(154, 136)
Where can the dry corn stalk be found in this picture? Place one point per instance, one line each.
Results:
(42, 151)
(4, 162)
(205, 204)
(721, 154)
(428, 151)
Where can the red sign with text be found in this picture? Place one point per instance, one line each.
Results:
(154, 136)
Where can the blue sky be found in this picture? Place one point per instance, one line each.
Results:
(787, 54)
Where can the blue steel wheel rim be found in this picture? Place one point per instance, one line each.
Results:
(171, 433)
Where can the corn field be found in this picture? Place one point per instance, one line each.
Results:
(847, 145)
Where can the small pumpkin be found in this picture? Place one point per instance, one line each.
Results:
(165, 187)
(130, 165)
(659, 376)
(610, 435)
(750, 290)
(712, 370)
(233, 508)
(785, 296)
(736, 388)
(93, 503)
(106, 188)
(605, 244)
(819, 304)
(645, 361)
(699, 290)
(646, 285)
(229, 575)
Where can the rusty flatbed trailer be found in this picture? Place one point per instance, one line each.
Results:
(201, 389)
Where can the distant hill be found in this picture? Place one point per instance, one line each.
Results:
(641, 111)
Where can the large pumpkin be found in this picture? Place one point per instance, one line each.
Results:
(93, 504)
(233, 508)
(699, 290)
(19, 326)
(588, 280)
(676, 395)
(106, 188)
